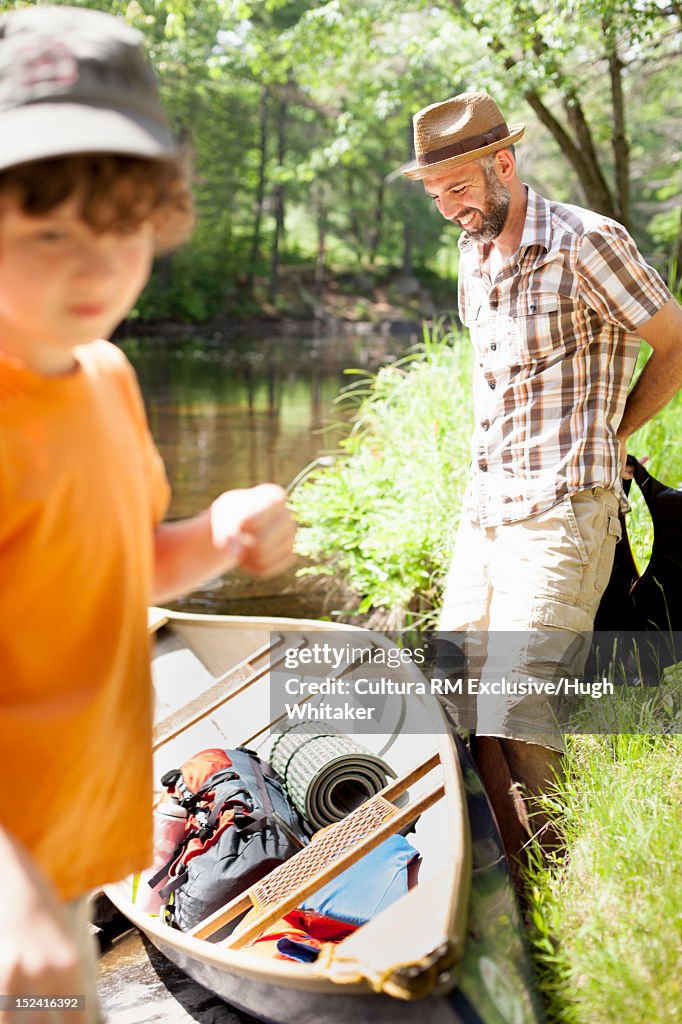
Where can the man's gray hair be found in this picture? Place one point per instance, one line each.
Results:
(488, 162)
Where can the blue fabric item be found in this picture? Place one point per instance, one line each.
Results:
(298, 950)
(362, 891)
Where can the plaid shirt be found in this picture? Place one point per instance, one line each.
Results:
(555, 345)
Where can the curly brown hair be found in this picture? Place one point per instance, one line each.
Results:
(117, 192)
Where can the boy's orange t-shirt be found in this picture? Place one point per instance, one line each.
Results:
(81, 490)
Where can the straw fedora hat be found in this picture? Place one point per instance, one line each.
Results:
(456, 131)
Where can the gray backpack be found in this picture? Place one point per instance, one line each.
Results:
(240, 826)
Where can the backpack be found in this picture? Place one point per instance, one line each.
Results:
(240, 826)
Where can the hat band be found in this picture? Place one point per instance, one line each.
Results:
(434, 156)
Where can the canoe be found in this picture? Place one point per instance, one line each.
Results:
(450, 950)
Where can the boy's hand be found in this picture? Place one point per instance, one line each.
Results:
(256, 527)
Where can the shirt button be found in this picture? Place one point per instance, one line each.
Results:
(491, 385)
(493, 346)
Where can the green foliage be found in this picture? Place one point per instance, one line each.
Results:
(384, 514)
(309, 103)
(659, 440)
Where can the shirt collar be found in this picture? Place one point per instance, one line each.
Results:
(538, 223)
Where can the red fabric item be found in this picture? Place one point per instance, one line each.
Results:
(197, 845)
(326, 929)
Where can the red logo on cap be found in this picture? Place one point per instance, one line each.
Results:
(48, 62)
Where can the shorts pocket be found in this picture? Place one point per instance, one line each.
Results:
(555, 614)
(580, 537)
(614, 528)
(561, 639)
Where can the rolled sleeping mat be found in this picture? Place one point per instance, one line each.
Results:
(326, 773)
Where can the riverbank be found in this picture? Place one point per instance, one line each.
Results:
(392, 304)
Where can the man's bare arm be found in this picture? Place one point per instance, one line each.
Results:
(661, 378)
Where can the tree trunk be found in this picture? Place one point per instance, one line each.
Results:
(163, 269)
(676, 8)
(354, 219)
(579, 148)
(254, 255)
(594, 196)
(321, 215)
(592, 179)
(375, 230)
(279, 202)
(619, 141)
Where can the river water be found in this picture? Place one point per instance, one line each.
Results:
(236, 414)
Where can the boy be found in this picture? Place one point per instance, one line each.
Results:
(91, 186)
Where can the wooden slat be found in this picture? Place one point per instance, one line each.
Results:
(156, 618)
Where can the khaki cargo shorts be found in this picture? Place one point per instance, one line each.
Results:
(526, 595)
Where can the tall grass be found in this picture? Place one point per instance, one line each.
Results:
(606, 916)
(661, 440)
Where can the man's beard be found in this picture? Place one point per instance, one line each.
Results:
(494, 217)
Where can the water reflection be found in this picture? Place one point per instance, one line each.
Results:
(234, 416)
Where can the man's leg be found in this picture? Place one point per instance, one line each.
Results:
(547, 576)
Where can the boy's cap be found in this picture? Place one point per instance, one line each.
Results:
(74, 80)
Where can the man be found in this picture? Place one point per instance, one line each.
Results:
(556, 299)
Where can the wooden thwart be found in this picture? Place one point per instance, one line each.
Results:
(323, 859)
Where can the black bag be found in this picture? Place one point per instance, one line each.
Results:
(652, 601)
(240, 826)
(639, 616)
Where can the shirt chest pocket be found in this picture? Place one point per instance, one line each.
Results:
(538, 326)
